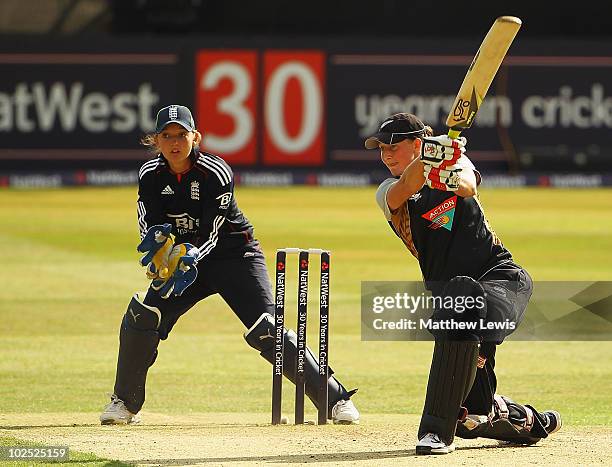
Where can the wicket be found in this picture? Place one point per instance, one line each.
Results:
(302, 319)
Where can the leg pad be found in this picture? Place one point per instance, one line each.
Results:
(512, 422)
(138, 341)
(452, 373)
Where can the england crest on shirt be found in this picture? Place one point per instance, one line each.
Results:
(195, 190)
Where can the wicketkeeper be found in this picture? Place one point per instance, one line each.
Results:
(431, 204)
(196, 242)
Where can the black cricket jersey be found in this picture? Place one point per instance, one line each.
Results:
(449, 235)
(199, 204)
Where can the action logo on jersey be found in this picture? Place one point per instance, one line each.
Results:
(442, 215)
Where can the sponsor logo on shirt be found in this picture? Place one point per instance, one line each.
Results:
(167, 191)
(442, 215)
(184, 223)
(224, 200)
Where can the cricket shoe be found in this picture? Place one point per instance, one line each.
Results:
(432, 444)
(116, 413)
(553, 421)
(344, 412)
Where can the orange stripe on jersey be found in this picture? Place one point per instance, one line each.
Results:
(400, 220)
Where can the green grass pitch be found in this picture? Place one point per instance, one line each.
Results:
(69, 267)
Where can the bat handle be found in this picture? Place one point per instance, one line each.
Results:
(453, 134)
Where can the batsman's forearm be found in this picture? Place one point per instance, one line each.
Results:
(413, 177)
(467, 184)
(411, 181)
(466, 190)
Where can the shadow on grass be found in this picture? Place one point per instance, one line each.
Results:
(97, 462)
(289, 458)
(501, 445)
(311, 458)
(118, 464)
(63, 425)
(136, 426)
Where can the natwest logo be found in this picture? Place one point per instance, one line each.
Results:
(46, 107)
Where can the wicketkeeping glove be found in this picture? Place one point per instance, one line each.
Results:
(157, 244)
(182, 271)
(443, 179)
(442, 151)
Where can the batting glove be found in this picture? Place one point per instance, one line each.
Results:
(157, 244)
(183, 271)
(441, 151)
(443, 179)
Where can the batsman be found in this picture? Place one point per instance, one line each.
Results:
(431, 203)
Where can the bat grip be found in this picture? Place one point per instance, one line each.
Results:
(453, 134)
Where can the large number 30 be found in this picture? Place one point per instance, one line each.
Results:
(238, 141)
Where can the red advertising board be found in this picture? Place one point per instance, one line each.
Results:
(226, 103)
(294, 108)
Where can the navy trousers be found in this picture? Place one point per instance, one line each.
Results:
(243, 283)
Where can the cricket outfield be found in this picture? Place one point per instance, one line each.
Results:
(71, 267)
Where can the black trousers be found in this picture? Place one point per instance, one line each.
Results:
(508, 288)
(242, 282)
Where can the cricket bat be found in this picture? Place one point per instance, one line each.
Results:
(480, 74)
